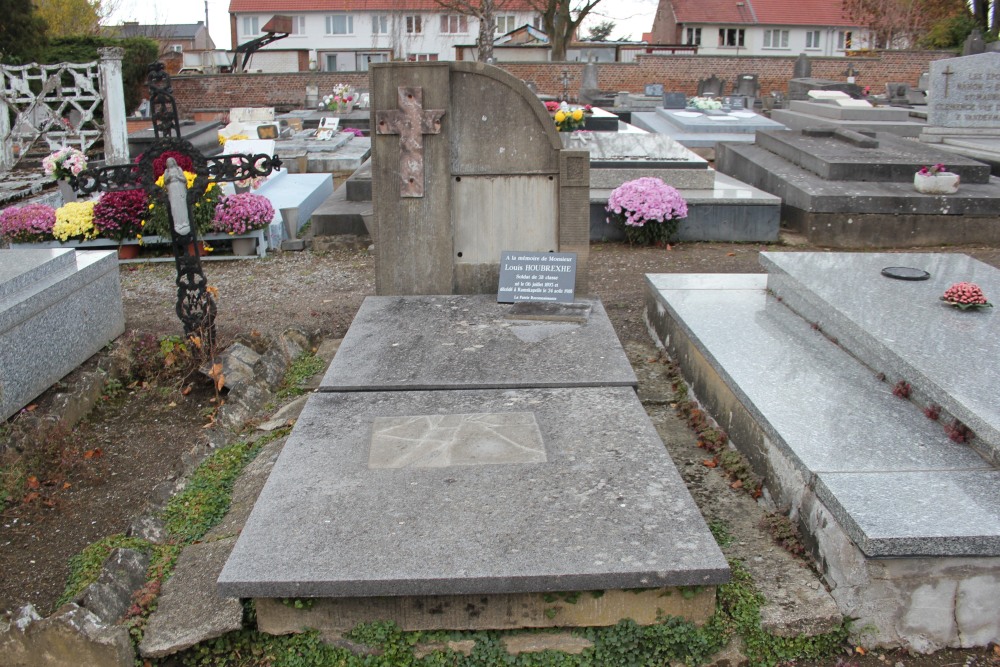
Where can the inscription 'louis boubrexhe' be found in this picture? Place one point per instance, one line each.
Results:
(536, 277)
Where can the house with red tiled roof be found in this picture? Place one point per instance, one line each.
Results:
(759, 27)
(349, 35)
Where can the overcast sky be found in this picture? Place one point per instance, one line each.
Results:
(632, 17)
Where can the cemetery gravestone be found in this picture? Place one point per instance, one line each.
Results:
(654, 89)
(495, 178)
(964, 92)
(674, 100)
(802, 68)
(713, 86)
(747, 85)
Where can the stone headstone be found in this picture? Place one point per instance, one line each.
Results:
(713, 86)
(924, 81)
(589, 82)
(802, 68)
(964, 92)
(653, 89)
(486, 188)
(674, 100)
(974, 43)
(897, 92)
(747, 85)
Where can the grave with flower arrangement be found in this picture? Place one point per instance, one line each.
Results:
(862, 390)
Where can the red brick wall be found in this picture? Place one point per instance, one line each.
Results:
(677, 73)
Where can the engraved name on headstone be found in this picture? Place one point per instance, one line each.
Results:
(964, 92)
(536, 276)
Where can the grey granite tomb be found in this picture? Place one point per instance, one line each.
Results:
(846, 189)
(58, 307)
(902, 519)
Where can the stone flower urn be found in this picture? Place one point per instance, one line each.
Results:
(940, 183)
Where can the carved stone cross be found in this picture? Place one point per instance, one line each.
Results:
(411, 122)
(946, 73)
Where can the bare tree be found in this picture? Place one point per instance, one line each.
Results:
(560, 20)
(486, 12)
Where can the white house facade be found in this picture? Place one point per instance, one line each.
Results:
(344, 36)
(759, 27)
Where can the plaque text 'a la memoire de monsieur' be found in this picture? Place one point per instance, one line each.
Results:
(536, 276)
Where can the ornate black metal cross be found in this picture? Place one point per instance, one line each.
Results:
(411, 122)
(195, 305)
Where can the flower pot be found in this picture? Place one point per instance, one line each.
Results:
(244, 247)
(200, 249)
(941, 183)
(66, 190)
(129, 251)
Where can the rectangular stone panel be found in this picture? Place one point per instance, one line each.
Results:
(606, 509)
(466, 341)
(964, 91)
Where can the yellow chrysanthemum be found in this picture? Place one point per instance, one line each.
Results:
(578, 114)
(560, 116)
(75, 220)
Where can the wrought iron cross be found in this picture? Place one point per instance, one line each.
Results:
(195, 305)
(411, 122)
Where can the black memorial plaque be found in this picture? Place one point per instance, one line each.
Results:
(536, 276)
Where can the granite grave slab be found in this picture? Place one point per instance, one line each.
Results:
(903, 521)
(830, 416)
(58, 307)
(466, 342)
(901, 328)
(579, 495)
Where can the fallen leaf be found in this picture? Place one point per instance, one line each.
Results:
(34, 495)
(32, 407)
(95, 453)
(860, 650)
(49, 502)
(186, 390)
(214, 291)
(730, 254)
(32, 482)
(709, 463)
(66, 485)
(738, 484)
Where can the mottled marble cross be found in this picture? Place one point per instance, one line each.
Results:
(411, 122)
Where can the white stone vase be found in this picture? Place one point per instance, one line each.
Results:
(244, 247)
(941, 183)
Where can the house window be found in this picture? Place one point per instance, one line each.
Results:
(367, 59)
(380, 24)
(454, 24)
(505, 24)
(775, 39)
(732, 37)
(330, 62)
(250, 25)
(298, 25)
(414, 25)
(812, 39)
(422, 57)
(340, 24)
(844, 41)
(693, 36)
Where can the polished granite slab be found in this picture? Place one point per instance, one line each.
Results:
(835, 420)
(902, 329)
(548, 490)
(467, 342)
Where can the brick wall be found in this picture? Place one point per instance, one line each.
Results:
(677, 73)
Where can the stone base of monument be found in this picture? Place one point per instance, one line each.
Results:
(337, 616)
(845, 189)
(458, 469)
(803, 114)
(702, 131)
(901, 517)
(57, 309)
(982, 144)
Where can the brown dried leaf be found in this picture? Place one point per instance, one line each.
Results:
(32, 407)
(186, 390)
(738, 484)
(34, 495)
(95, 453)
(709, 463)
(32, 482)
